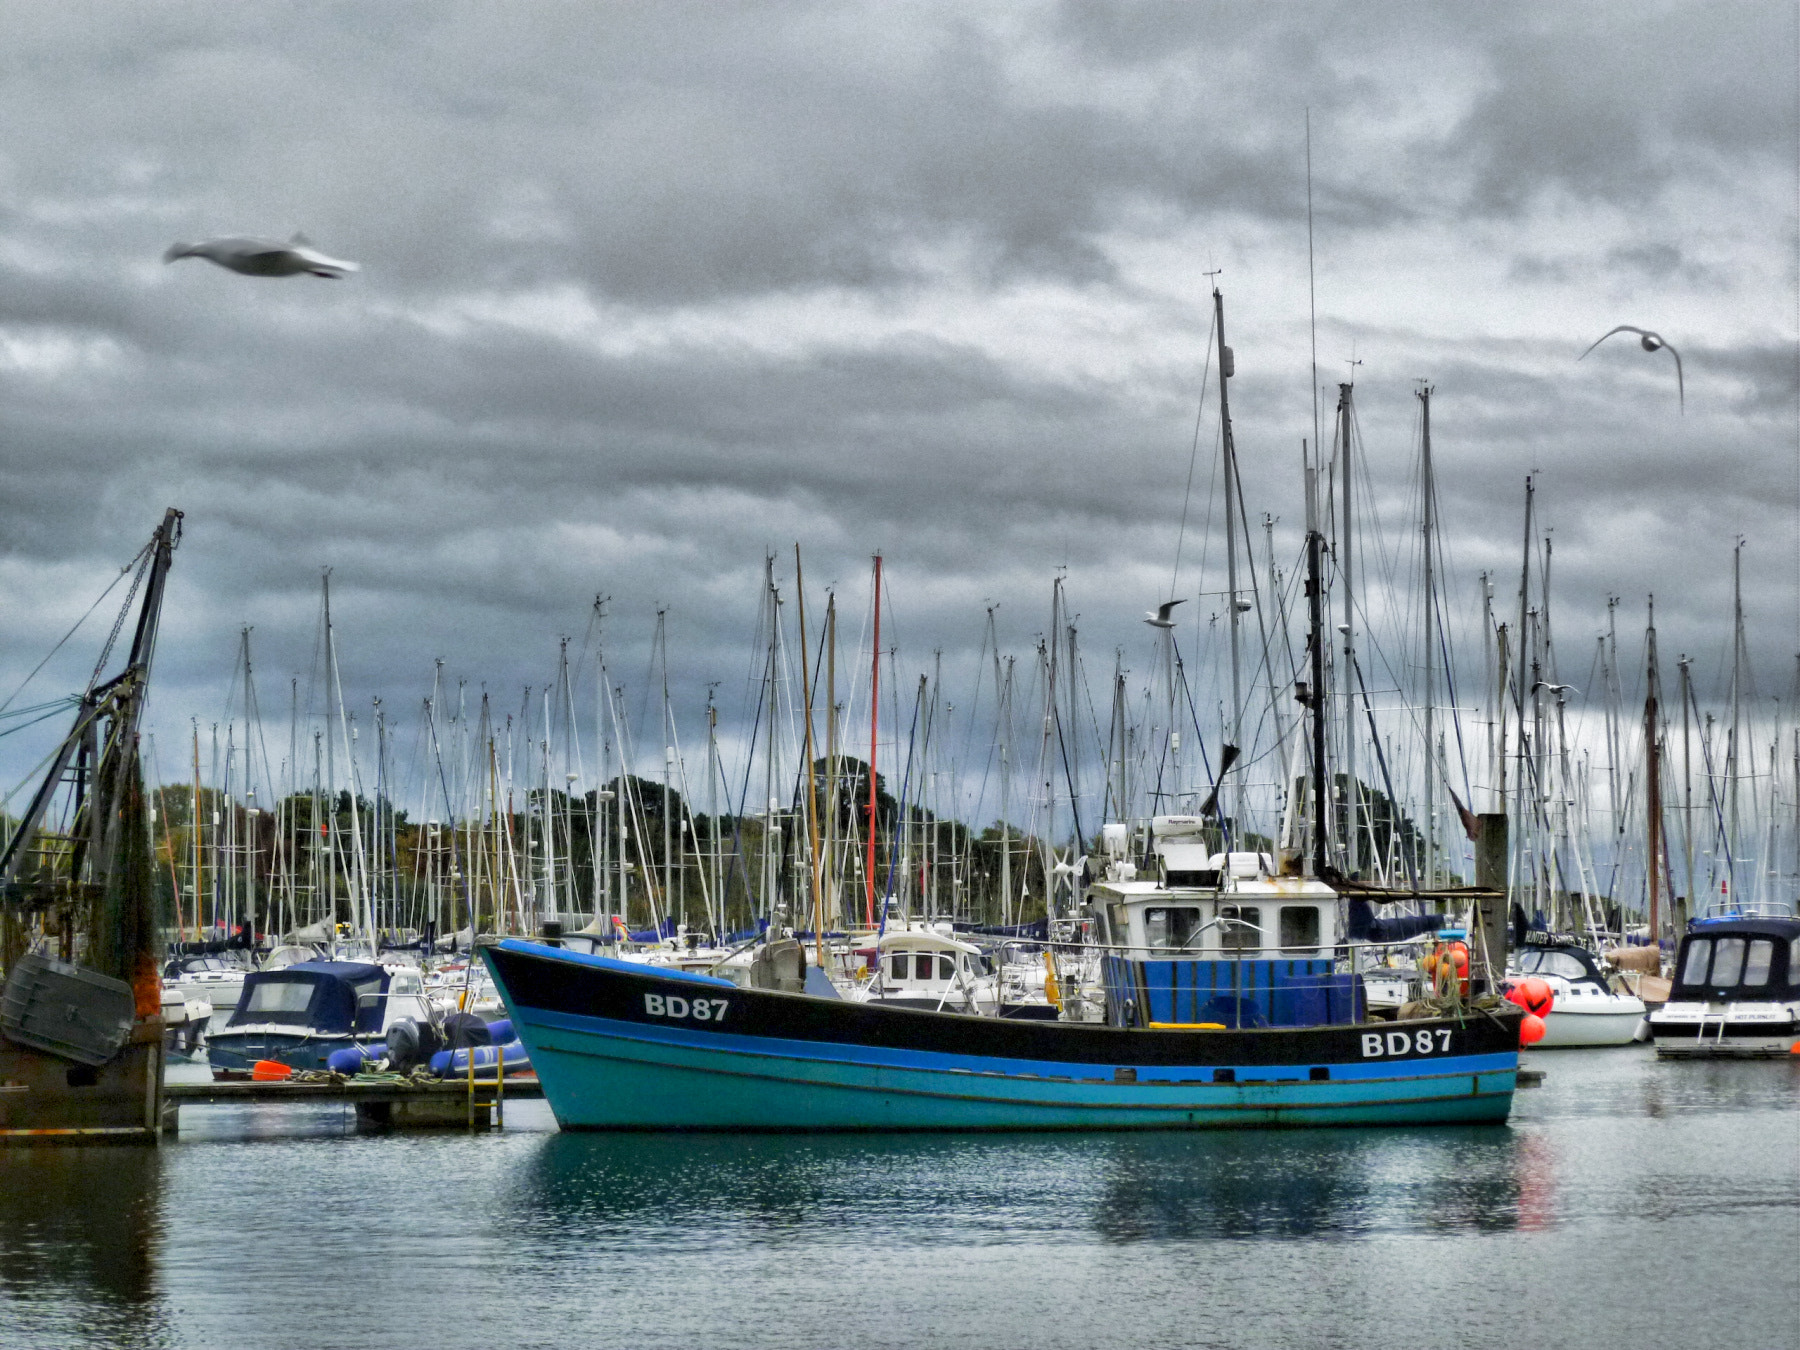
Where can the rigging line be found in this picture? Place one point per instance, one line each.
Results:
(900, 814)
(1394, 812)
(1212, 329)
(71, 633)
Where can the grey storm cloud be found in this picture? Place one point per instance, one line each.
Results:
(651, 289)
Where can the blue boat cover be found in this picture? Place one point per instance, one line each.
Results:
(322, 996)
(1249, 993)
(1364, 926)
(1036, 931)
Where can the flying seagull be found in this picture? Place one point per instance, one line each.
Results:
(1161, 618)
(265, 257)
(1650, 342)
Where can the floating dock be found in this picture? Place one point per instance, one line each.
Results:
(381, 1103)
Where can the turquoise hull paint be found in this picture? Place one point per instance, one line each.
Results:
(601, 1074)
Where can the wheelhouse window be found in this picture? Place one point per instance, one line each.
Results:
(1563, 964)
(1756, 965)
(897, 966)
(1174, 928)
(1728, 962)
(1299, 927)
(922, 964)
(1240, 927)
(946, 968)
(1699, 954)
(280, 996)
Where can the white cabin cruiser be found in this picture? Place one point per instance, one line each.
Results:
(1588, 1009)
(916, 966)
(1736, 990)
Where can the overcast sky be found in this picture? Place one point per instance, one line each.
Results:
(651, 289)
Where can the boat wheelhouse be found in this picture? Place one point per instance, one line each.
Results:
(1219, 940)
(1736, 990)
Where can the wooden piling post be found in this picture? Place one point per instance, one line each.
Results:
(1489, 957)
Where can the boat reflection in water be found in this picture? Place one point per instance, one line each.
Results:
(80, 1238)
(588, 1191)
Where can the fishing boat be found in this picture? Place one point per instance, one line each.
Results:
(620, 1045)
(301, 1014)
(1587, 1010)
(1736, 991)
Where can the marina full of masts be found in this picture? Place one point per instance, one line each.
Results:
(1641, 789)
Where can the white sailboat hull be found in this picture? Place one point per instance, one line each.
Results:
(1568, 1028)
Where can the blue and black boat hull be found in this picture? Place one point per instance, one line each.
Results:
(618, 1045)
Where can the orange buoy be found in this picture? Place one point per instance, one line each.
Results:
(1535, 996)
(1531, 1029)
(269, 1071)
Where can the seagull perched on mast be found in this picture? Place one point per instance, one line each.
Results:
(1161, 619)
(1650, 342)
(265, 257)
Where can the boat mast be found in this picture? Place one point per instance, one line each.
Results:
(1652, 779)
(1735, 741)
(812, 788)
(1687, 782)
(1522, 638)
(1005, 787)
(1428, 493)
(1315, 613)
(833, 765)
(1232, 498)
(1346, 559)
(874, 722)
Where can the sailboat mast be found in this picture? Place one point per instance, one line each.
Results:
(1734, 747)
(833, 768)
(1522, 638)
(1346, 569)
(1428, 493)
(1652, 780)
(812, 787)
(1228, 449)
(874, 720)
(1315, 614)
(195, 831)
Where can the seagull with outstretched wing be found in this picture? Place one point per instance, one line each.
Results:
(1161, 618)
(265, 257)
(1650, 342)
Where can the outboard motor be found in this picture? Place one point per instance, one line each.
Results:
(405, 1045)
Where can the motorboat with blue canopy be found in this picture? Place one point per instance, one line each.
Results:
(300, 1014)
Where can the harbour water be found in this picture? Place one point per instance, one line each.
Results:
(1630, 1201)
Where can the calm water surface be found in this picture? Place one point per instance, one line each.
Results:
(1630, 1202)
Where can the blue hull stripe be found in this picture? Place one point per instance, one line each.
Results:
(878, 1056)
